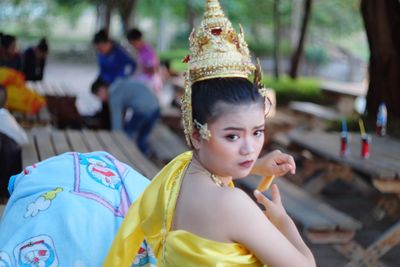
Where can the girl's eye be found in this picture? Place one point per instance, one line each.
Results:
(259, 133)
(232, 137)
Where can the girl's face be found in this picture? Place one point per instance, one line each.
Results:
(237, 137)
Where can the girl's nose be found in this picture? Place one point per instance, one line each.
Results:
(247, 147)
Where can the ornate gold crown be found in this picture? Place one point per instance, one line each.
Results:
(216, 50)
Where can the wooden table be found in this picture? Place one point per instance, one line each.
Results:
(45, 143)
(60, 104)
(382, 168)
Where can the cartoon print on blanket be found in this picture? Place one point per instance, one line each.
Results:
(42, 203)
(5, 260)
(66, 211)
(36, 252)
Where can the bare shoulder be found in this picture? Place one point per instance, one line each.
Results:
(240, 210)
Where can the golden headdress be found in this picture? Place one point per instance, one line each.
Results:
(216, 50)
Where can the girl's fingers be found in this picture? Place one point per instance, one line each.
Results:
(263, 200)
(276, 195)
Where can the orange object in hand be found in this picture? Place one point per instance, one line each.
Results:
(265, 183)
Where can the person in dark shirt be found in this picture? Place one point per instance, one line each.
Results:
(113, 59)
(35, 60)
(10, 57)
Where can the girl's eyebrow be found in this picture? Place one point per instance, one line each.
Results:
(242, 129)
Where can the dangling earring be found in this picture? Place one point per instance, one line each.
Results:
(203, 129)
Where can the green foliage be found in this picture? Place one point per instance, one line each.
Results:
(301, 89)
(336, 17)
(176, 57)
(316, 55)
(261, 49)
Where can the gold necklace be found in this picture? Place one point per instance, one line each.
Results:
(214, 178)
(217, 181)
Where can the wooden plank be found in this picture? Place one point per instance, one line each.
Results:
(44, 145)
(384, 160)
(112, 146)
(61, 90)
(335, 237)
(315, 215)
(60, 142)
(314, 110)
(139, 161)
(39, 88)
(92, 140)
(43, 116)
(75, 139)
(29, 154)
(166, 144)
(387, 186)
(47, 89)
(343, 88)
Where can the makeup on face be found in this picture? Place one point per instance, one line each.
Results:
(237, 139)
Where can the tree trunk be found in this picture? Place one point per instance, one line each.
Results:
(191, 15)
(297, 55)
(277, 38)
(107, 15)
(104, 12)
(382, 25)
(297, 7)
(126, 8)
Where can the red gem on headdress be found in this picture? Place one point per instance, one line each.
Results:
(186, 59)
(216, 31)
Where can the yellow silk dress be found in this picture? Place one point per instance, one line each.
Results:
(150, 218)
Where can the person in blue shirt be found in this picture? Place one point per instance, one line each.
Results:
(113, 59)
(125, 94)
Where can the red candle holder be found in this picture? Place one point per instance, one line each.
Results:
(344, 141)
(365, 142)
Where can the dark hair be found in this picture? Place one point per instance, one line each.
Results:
(206, 94)
(101, 37)
(134, 34)
(3, 96)
(166, 63)
(99, 82)
(43, 46)
(7, 40)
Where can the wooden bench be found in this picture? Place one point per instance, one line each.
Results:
(165, 143)
(45, 143)
(322, 224)
(381, 170)
(60, 104)
(314, 110)
(343, 94)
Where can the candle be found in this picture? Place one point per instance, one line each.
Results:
(362, 128)
(344, 125)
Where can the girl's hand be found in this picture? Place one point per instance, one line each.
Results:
(274, 209)
(274, 163)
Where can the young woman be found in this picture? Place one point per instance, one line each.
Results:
(191, 215)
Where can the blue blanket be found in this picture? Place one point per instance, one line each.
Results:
(66, 210)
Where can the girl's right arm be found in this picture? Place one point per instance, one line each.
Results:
(276, 213)
(271, 236)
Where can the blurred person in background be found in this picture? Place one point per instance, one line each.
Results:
(12, 137)
(114, 61)
(34, 60)
(124, 95)
(148, 60)
(10, 56)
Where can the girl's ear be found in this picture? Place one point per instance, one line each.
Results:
(195, 138)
